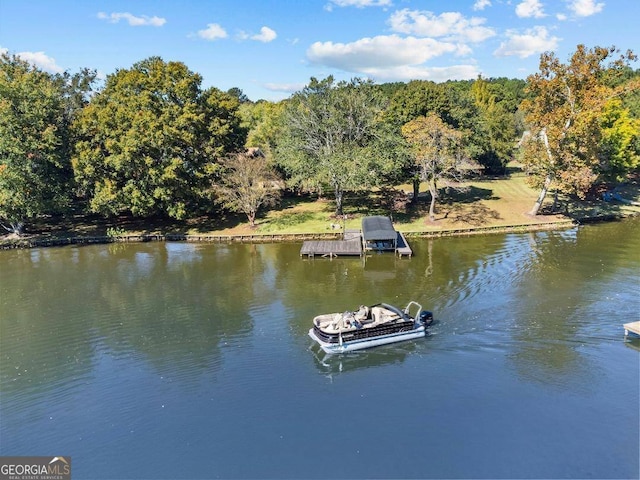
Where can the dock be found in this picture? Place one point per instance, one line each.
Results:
(402, 247)
(632, 328)
(350, 245)
(331, 248)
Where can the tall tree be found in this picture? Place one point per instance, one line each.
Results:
(248, 184)
(620, 141)
(36, 111)
(149, 139)
(495, 127)
(436, 148)
(331, 137)
(563, 116)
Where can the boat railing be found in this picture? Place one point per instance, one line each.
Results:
(407, 309)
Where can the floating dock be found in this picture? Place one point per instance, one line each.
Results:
(632, 328)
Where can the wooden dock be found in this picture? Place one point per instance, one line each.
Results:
(350, 245)
(632, 328)
(402, 247)
(331, 248)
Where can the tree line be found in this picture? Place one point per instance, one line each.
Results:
(152, 141)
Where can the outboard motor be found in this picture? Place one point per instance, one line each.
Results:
(426, 318)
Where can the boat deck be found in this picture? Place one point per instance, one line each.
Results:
(632, 328)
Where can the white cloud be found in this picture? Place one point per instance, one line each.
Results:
(561, 16)
(530, 8)
(37, 59)
(212, 32)
(134, 21)
(266, 35)
(585, 8)
(450, 25)
(378, 52)
(284, 87)
(358, 3)
(481, 4)
(435, 74)
(392, 58)
(534, 40)
(41, 60)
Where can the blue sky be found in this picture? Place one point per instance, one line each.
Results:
(271, 48)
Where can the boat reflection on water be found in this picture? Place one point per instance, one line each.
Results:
(632, 342)
(330, 364)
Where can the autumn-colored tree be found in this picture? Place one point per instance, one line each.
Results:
(563, 112)
(248, 183)
(436, 148)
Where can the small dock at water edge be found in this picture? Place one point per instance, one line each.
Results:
(360, 242)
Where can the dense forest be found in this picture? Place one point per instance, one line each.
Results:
(150, 140)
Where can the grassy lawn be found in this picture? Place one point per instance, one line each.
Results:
(485, 202)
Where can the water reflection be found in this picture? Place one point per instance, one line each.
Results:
(633, 343)
(527, 326)
(572, 280)
(331, 365)
(171, 304)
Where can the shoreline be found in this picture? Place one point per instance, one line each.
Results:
(40, 242)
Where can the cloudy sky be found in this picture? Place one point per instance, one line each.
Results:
(271, 48)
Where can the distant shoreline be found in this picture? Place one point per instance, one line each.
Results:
(39, 241)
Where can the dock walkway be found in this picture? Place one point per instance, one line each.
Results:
(331, 248)
(402, 247)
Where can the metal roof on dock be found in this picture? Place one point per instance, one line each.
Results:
(378, 228)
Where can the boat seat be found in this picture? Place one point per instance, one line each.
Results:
(377, 314)
(363, 315)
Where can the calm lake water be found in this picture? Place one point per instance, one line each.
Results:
(177, 360)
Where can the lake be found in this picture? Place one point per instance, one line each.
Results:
(181, 360)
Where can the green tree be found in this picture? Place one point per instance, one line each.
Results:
(36, 111)
(150, 139)
(436, 149)
(333, 135)
(248, 184)
(416, 99)
(620, 141)
(563, 114)
(263, 122)
(495, 127)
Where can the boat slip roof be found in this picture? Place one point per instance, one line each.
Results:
(378, 228)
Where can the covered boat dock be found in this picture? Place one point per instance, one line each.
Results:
(377, 234)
